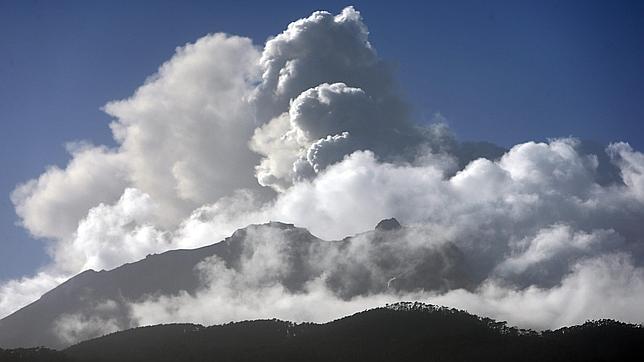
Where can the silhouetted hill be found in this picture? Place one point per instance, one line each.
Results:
(38, 354)
(399, 332)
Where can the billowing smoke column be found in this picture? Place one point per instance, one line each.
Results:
(310, 130)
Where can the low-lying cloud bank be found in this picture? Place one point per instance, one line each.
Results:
(311, 130)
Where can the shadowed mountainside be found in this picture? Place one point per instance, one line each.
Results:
(107, 294)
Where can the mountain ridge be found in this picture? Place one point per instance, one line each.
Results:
(107, 294)
(407, 331)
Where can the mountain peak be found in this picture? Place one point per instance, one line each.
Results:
(388, 224)
(279, 225)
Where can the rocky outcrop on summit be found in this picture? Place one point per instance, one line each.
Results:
(388, 224)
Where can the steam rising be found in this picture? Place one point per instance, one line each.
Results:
(310, 130)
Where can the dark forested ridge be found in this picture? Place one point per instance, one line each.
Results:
(38, 354)
(399, 332)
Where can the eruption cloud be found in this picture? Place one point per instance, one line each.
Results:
(310, 129)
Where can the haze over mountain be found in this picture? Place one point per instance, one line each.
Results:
(274, 254)
(310, 128)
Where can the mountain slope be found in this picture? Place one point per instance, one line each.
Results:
(91, 298)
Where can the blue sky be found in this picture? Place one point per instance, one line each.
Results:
(505, 72)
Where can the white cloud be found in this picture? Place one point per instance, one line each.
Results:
(52, 205)
(184, 132)
(182, 140)
(604, 287)
(17, 293)
(553, 249)
(328, 122)
(73, 328)
(631, 165)
(322, 48)
(111, 235)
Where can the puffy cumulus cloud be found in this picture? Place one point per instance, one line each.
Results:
(51, 205)
(520, 194)
(322, 48)
(329, 109)
(515, 226)
(326, 151)
(184, 133)
(280, 147)
(325, 93)
(113, 234)
(556, 166)
(609, 286)
(181, 139)
(533, 240)
(631, 166)
(544, 258)
(110, 235)
(328, 204)
(498, 207)
(214, 222)
(522, 250)
(355, 194)
(328, 122)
